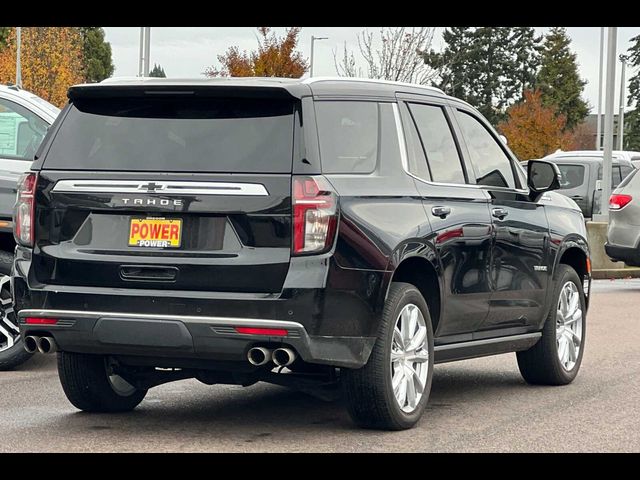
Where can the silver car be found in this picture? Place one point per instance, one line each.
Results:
(623, 236)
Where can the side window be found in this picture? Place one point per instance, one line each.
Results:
(491, 164)
(615, 175)
(348, 134)
(21, 131)
(435, 134)
(572, 176)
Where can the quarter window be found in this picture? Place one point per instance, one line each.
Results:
(437, 140)
(348, 136)
(491, 164)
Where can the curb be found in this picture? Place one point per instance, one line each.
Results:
(598, 274)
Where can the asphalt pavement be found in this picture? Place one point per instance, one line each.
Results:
(480, 405)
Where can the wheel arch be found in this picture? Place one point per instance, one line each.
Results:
(421, 269)
(574, 252)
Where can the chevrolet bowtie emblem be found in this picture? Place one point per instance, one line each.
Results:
(152, 186)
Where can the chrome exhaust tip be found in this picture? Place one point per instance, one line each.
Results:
(47, 345)
(259, 356)
(283, 357)
(31, 344)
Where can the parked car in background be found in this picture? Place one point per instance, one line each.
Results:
(581, 177)
(305, 233)
(623, 235)
(24, 120)
(633, 157)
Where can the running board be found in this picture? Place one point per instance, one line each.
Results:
(481, 348)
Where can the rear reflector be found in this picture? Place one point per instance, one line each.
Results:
(41, 321)
(276, 332)
(617, 201)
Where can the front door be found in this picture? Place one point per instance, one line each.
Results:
(520, 265)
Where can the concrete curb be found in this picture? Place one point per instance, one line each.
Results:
(615, 273)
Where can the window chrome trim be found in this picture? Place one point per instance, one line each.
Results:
(160, 187)
(405, 164)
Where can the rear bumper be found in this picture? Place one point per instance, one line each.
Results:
(166, 337)
(628, 255)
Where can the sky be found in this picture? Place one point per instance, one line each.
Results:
(187, 51)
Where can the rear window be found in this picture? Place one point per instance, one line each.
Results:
(175, 134)
(572, 176)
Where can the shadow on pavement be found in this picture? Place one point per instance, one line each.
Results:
(262, 409)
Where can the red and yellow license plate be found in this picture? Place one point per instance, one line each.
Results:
(155, 232)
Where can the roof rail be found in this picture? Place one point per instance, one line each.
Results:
(371, 80)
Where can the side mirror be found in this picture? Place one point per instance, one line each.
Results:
(542, 176)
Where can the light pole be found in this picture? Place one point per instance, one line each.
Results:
(18, 65)
(608, 122)
(599, 120)
(623, 60)
(145, 46)
(313, 39)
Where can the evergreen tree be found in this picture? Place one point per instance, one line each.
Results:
(632, 118)
(157, 71)
(96, 53)
(559, 80)
(489, 67)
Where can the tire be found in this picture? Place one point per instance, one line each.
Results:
(12, 352)
(541, 364)
(86, 384)
(368, 391)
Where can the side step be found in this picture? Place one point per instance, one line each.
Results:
(481, 348)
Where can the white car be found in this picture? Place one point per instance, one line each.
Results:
(633, 157)
(24, 120)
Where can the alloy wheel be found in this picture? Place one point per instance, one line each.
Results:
(409, 358)
(9, 331)
(569, 320)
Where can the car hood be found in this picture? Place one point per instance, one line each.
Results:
(558, 200)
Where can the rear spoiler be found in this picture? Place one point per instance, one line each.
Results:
(97, 90)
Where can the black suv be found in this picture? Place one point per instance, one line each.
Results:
(308, 233)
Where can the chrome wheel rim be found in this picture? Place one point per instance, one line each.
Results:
(9, 331)
(569, 319)
(409, 358)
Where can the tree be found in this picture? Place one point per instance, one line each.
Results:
(96, 54)
(157, 71)
(4, 34)
(399, 59)
(275, 57)
(51, 61)
(559, 80)
(535, 130)
(489, 67)
(632, 118)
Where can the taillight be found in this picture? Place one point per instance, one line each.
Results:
(23, 221)
(617, 201)
(314, 215)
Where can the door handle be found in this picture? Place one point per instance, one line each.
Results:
(441, 212)
(499, 213)
(577, 197)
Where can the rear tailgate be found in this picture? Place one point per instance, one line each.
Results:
(168, 192)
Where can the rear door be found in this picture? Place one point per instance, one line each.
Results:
(170, 191)
(575, 184)
(458, 213)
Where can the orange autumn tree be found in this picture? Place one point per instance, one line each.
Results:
(275, 57)
(534, 130)
(51, 59)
